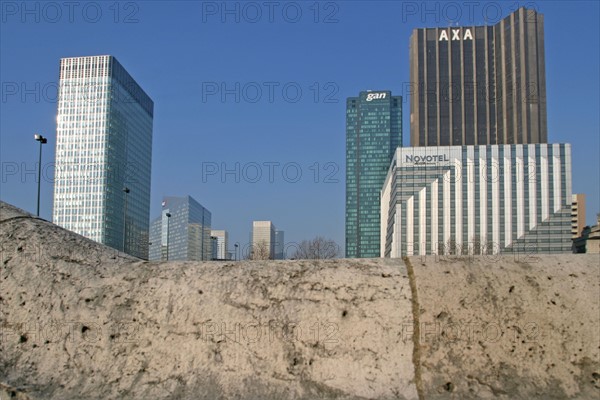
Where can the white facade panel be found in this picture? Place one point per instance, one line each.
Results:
(422, 221)
(544, 183)
(557, 181)
(495, 179)
(433, 232)
(410, 228)
(446, 210)
(533, 184)
(483, 194)
(507, 196)
(519, 183)
(470, 195)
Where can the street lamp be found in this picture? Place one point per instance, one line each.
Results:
(236, 251)
(213, 248)
(126, 191)
(168, 215)
(42, 141)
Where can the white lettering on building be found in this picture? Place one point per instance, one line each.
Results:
(375, 96)
(467, 35)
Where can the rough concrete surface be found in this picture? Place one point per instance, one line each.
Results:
(81, 321)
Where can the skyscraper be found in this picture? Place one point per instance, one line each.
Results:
(263, 240)
(182, 232)
(103, 154)
(279, 248)
(373, 131)
(479, 85)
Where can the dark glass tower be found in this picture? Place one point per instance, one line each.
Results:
(373, 132)
(479, 85)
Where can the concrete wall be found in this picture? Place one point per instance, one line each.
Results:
(81, 321)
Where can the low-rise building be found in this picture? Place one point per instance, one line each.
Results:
(589, 241)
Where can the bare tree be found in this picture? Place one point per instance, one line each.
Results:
(317, 249)
(452, 247)
(260, 251)
(482, 245)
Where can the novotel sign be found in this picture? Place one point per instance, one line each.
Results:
(426, 159)
(376, 96)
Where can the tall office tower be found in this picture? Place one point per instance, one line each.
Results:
(182, 232)
(263, 240)
(279, 245)
(577, 214)
(488, 199)
(479, 85)
(373, 131)
(222, 242)
(103, 154)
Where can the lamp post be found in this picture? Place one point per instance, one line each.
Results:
(236, 251)
(214, 251)
(42, 141)
(126, 191)
(168, 215)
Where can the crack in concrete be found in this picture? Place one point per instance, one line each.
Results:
(416, 357)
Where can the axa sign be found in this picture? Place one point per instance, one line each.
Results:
(375, 96)
(457, 34)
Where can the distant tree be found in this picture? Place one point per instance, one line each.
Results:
(317, 249)
(260, 251)
(452, 247)
(477, 245)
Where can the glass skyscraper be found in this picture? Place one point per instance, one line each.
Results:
(479, 85)
(279, 245)
(182, 232)
(373, 132)
(103, 154)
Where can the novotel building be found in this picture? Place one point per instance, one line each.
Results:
(477, 200)
(477, 85)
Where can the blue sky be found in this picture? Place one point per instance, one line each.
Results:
(292, 64)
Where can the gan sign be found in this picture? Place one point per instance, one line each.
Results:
(375, 96)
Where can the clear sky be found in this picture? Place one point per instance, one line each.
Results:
(261, 87)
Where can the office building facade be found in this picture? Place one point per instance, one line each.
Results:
(477, 200)
(182, 232)
(479, 85)
(263, 241)
(373, 131)
(577, 214)
(103, 154)
(279, 248)
(589, 239)
(220, 244)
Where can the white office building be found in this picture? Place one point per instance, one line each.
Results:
(477, 200)
(103, 154)
(263, 240)
(221, 242)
